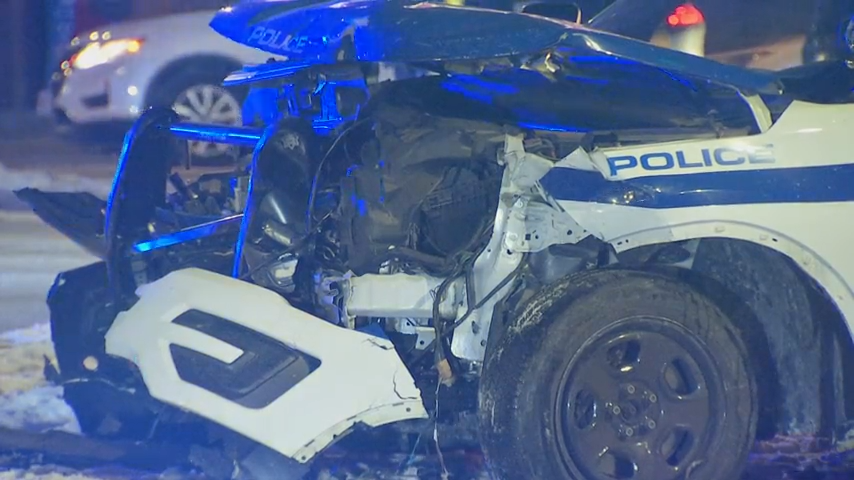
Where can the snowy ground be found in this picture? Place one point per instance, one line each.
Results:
(25, 399)
(31, 254)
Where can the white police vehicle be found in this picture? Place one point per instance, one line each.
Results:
(622, 261)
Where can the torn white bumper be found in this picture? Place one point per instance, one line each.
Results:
(360, 379)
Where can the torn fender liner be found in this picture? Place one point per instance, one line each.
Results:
(332, 378)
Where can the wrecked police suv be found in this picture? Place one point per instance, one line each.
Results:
(601, 258)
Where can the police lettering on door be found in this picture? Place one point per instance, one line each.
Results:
(705, 159)
(276, 39)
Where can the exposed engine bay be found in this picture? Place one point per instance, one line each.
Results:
(407, 191)
(402, 200)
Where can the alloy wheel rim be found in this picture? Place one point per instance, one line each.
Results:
(208, 104)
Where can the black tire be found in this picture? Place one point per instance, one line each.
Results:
(167, 91)
(532, 370)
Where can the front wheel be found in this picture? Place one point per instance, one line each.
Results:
(618, 374)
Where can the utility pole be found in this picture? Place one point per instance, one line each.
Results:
(16, 21)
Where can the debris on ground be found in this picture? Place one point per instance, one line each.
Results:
(38, 441)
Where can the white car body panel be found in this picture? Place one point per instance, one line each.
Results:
(360, 379)
(168, 39)
(813, 234)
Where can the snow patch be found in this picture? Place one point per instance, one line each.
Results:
(22, 366)
(26, 400)
(11, 179)
(44, 474)
(54, 472)
(26, 336)
(40, 409)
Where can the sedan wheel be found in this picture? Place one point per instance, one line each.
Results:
(208, 104)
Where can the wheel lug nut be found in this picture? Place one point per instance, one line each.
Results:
(616, 410)
(630, 431)
(630, 389)
(651, 424)
(653, 397)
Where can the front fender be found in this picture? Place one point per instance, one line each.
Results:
(242, 357)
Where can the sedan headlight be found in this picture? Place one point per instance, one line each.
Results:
(99, 53)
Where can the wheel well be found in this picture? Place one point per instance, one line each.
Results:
(838, 357)
(195, 63)
(802, 365)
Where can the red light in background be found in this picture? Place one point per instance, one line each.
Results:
(685, 16)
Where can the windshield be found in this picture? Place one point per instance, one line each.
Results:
(757, 34)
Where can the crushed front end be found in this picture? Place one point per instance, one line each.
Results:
(199, 334)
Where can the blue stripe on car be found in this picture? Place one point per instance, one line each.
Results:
(833, 183)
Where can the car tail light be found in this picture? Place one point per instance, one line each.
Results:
(685, 16)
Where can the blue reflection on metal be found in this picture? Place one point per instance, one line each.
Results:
(382, 30)
(634, 67)
(484, 97)
(242, 136)
(251, 203)
(550, 128)
(264, 71)
(478, 88)
(487, 83)
(127, 145)
(186, 235)
(320, 104)
(485, 88)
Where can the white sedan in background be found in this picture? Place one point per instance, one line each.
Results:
(109, 76)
